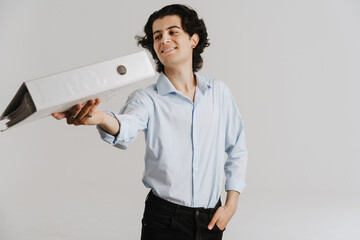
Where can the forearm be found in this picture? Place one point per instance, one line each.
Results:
(110, 124)
(232, 198)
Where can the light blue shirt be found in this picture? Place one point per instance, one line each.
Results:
(186, 141)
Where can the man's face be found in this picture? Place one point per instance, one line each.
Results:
(172, 44)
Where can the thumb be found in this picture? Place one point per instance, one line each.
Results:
(214, 220)
(59, 115)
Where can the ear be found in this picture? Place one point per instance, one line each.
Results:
(194, 40)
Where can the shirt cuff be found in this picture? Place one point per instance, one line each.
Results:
(107, 137)
(121, 140)
(238, 186)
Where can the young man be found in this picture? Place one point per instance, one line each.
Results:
(189, 122)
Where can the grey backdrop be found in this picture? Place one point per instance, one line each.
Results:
(292, 66)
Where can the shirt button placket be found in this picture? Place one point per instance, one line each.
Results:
(196, 154)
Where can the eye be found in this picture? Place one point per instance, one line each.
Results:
(173, 32)
(157, 37)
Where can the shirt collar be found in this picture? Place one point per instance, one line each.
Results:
(202, 83)
(164, 86)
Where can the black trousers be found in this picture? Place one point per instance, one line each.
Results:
(164, 220)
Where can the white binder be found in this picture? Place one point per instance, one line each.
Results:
(39, 98)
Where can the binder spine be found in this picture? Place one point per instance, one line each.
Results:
(89, 81)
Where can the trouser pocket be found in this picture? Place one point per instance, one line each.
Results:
(156, 218)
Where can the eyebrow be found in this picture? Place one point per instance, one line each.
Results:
(157, 31)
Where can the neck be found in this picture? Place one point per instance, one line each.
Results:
(183, 79)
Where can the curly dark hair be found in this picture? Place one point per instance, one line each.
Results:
(190, 23)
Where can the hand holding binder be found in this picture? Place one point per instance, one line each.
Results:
(88, 114)
(82, 114)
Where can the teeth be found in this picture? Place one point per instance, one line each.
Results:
(169, 49)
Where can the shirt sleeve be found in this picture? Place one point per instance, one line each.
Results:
(133, 117)
(235, 146)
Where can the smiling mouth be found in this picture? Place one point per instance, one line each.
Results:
(168, 50)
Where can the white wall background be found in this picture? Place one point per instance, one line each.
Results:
(293, 67)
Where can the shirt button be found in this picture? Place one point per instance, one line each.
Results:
(197, 213)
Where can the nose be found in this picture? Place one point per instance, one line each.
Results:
(166, 39)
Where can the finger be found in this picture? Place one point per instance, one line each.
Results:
(84, 111)
(59, 115)
(214, 219)
(94, 106)
(72, 113)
